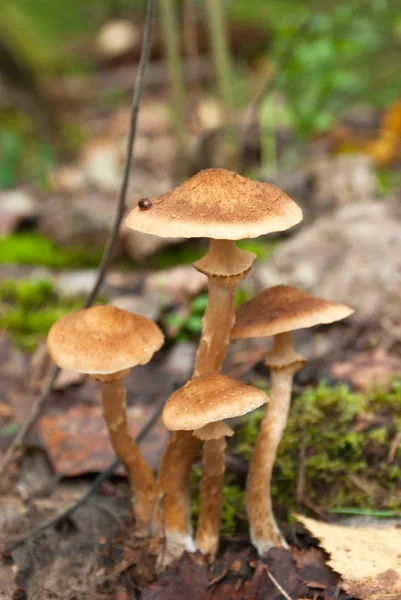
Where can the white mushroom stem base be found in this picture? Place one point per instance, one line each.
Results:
(139, 473)
(174, 519)
(263, 529)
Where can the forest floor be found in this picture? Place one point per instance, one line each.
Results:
(340, 462)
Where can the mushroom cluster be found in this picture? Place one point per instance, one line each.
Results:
(105, 342)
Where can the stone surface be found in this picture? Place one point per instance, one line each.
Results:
(352, 256)
(147, 305)
(17, 207)
(323, 184)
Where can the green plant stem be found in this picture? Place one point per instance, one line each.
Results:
(220, 48)
(174, 65)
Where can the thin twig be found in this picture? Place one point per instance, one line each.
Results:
(108, 252)
(136, 102)
(394, 447)
(92, 489)
(301, 471)
(277, 584)
(365, 486)
(315, 508)
(218, 578)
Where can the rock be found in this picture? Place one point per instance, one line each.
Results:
(102, 164)
(148, 304)
(116, 38)
(40, 367)
(76, 282)
(17, 208)
(140, 245)
(68, 179)
(328, 182)
(352, 256)
(176, 284)
(77, 220)
(36, 475)
(180, 361)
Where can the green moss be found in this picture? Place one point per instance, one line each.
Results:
(181, 326)
(177, 255)
(335, 448)
(233, 502)
(185, 254)
(28, 308)
(35, 249)
(264, 249)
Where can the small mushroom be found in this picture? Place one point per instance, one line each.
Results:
(276, 312)
(223, 206)
(105, 342)
(200, 406)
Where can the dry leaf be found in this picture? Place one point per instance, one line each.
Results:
(369, 560)
(365, 369)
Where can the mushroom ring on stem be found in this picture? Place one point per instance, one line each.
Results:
(276, 312)
(200, 406)
(223, 206)
(105, 342)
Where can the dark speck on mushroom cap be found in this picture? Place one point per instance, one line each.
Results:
(145, 204)
(219, 204)
(207, 399)
(103, 340)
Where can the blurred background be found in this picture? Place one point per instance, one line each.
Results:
(303, 94)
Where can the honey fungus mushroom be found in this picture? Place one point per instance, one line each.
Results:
(105, 342)
(201, 406)
(223, 206)
(278, 311)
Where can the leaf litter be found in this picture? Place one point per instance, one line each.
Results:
(367, 558)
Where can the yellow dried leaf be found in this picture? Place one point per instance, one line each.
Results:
(368, 559)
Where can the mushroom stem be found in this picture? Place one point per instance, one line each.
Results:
(183, 447)
(140, 475)
(216, 326)
(211, 499)
(217, 323)
(182, 450)
(263, 528)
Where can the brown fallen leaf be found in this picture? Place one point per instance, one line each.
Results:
(368, 368)
(369, 560)
(77, 440)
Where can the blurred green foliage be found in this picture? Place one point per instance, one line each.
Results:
(21, 158)
(185, 325)
(35, 249)
(28, 308)
(347, 54)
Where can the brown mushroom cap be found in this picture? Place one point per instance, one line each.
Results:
(218, 204)
(284, 308)
(103, 340)
(207, 399)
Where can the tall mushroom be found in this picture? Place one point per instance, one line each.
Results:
(276, 312)
(223, 206)
(200, 406)
(105, 342)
